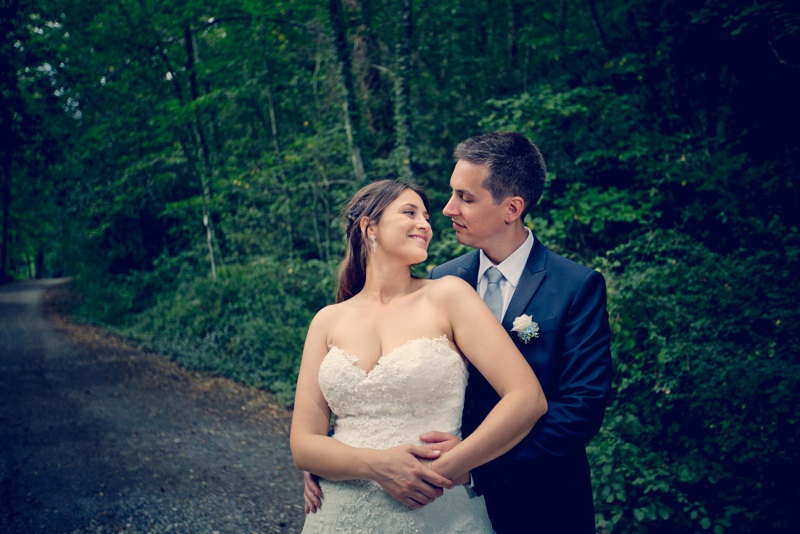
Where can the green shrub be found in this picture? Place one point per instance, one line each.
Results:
(248, 325)
(702, 433)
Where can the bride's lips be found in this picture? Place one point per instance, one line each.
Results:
(421, 238)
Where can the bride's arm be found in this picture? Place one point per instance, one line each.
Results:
(482, 339)
(311, 415)
(397, 470)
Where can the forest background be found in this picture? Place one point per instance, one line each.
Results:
(185, 162)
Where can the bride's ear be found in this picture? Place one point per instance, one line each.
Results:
(364, 223)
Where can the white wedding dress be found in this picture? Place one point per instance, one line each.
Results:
(415, 388)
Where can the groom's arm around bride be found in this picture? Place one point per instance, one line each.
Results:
(545, 480)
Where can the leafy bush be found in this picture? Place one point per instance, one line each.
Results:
(248, 325)
(702, 433)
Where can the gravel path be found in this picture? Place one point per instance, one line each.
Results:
(98, 436)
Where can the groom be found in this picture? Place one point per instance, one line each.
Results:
(544, 482)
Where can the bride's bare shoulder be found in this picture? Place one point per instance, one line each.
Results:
(448, 287)
(327, 316)
(326, 321)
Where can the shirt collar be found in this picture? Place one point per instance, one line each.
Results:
(512, 266)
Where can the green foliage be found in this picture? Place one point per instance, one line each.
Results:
(703, 429)
(602, 190)
(149, 142)
(248, 325)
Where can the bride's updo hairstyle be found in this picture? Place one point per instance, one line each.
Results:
(369, 202)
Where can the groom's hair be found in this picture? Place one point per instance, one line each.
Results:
(516, 166)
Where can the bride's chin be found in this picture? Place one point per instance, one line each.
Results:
(416, 260)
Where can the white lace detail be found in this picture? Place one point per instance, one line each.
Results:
(417, 387)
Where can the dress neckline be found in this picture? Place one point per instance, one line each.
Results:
(356, 360)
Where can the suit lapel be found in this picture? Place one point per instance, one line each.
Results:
(529, 282)
(470, 273)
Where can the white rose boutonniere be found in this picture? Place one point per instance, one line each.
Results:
(526, 328)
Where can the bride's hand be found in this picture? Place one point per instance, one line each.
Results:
(402, 475)
(444, 441)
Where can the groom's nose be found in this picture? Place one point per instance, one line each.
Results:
(449, 208)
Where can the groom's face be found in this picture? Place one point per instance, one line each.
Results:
(477, 220)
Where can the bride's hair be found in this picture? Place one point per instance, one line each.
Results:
(369, 202)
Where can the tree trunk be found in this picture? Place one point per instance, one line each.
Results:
(597, 25)
(204, 172)
(38, 265)
(323, 192)
(5, 173)
(375, 95)
(403, 92)
(276, 146)
(351, 126)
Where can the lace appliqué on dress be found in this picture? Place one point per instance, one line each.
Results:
(417, 387)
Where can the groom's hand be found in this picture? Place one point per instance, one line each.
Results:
(404, 474)
(444, 441)
(312, 493)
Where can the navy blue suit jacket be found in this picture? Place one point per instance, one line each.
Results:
(548, 470)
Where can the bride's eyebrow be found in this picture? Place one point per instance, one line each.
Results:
(412, 205)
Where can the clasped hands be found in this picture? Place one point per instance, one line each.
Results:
(406, 472)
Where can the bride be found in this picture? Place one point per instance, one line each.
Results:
(388, 361)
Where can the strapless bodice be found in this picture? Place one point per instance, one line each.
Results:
(417, 387)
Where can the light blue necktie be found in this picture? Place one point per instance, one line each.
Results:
(494, 295)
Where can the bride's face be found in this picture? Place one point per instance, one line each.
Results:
(404, 228)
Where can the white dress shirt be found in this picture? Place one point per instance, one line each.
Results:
(511, 268)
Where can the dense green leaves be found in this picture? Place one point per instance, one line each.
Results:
(719, 378)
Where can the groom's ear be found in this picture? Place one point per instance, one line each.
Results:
(514, 208)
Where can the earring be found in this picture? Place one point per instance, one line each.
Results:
(373, 242)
